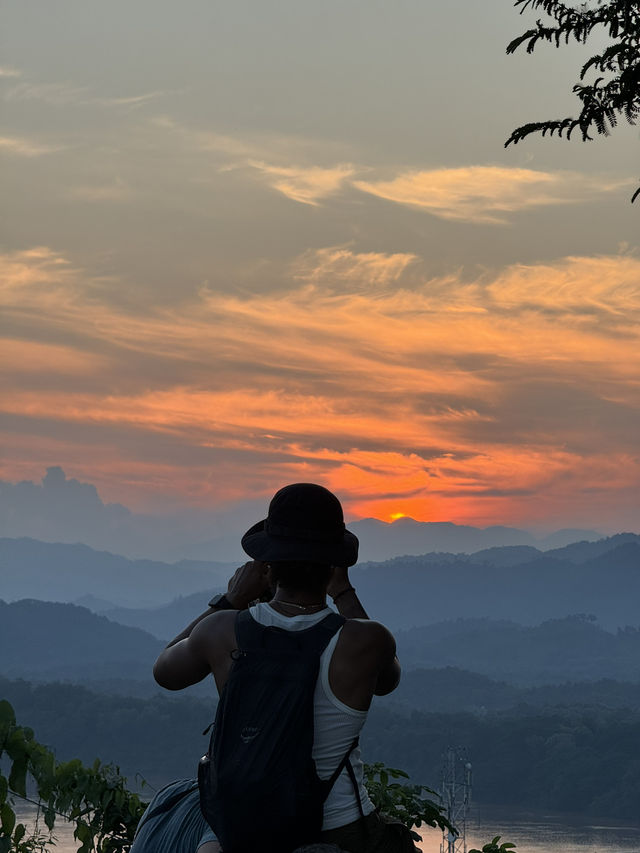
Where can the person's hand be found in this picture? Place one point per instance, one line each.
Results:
(249, 582)
(339, 581)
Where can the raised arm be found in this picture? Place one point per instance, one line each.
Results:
(203, 645)
(346, 601)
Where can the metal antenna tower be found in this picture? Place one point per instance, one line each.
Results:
(455, 792)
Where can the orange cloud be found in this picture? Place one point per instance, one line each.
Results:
(306, 184)
(485, 194)
(483, 401)
(605, 287)
(338, 264)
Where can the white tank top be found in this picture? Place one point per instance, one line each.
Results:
(336, 725)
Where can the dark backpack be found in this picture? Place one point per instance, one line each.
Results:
(259, 789)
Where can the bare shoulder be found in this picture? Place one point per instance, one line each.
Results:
(214, 630)
(366, 632)
(364, 664)
(213, 640)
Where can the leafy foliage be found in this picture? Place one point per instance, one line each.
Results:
(615, 91)
(594, 773)
(95, 798)
(106, 814)
(404, 802)
(492, 847)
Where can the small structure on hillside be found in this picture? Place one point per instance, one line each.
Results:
(455, 791)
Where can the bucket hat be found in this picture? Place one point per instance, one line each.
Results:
(305, 522)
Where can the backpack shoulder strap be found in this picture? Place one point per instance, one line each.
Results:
(249, 633)
(346, 764)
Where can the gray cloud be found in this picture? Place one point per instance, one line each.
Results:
(61, 509)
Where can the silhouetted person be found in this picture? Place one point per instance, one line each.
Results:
(301, 553)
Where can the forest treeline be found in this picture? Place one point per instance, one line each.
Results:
(572, 648)
(580, 759)
(452, 689)
(48, 641)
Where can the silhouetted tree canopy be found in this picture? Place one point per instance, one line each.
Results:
(615, 91)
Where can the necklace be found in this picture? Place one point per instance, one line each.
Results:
(299, 606)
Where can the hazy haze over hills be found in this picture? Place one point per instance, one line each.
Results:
(382, 541)
(57, 572)
(51, 641)
(511, 582)
(64, 510)
(525, 587)
(45, 641)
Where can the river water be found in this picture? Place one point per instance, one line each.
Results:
(532, 833)
(540, 833)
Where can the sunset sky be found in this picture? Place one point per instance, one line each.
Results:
(251, 243)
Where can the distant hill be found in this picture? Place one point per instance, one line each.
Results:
(380, 540)
(559, 650)
(44, 641)
(452, 690)
(47, 641)
(602, 578)
(166, 621)
(57, 572)
(574, 552)
(519, 583)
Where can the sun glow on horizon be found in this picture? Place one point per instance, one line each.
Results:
(474, 415)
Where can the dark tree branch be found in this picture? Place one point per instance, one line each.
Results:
(617, 94)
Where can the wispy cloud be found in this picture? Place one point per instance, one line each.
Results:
(56, 94)
(134, 100)
(495, 410)
(21, 146)
(304, 171)
(486, 194)
(65, 94)
(605, 287)
(233, 149)
(306, 184)
(261, 147)
(339, 264)
(6, 71)
(269, 157)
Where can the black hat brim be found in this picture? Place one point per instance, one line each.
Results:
(264, 546)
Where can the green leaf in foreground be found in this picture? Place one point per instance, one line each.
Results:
(492, 846)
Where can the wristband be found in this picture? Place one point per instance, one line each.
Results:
(347, 589)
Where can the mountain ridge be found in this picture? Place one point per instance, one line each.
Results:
(63, 572)
(517, 582)
(49, 641)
